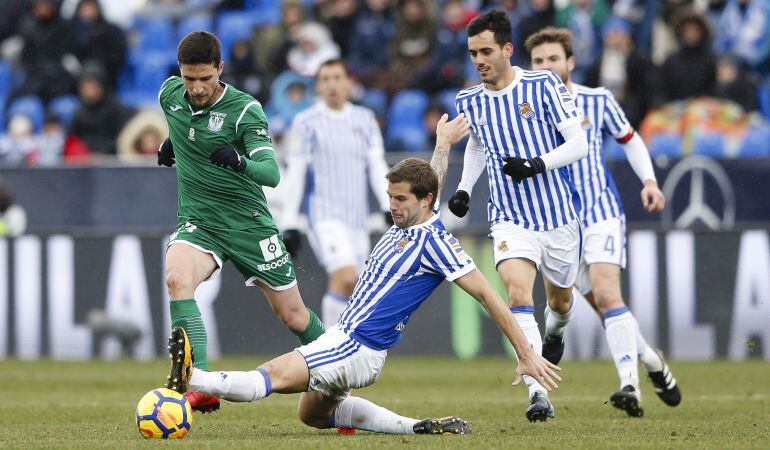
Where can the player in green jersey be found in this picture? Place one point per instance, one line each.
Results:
(219, 141)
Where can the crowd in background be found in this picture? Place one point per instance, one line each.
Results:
(79, 78)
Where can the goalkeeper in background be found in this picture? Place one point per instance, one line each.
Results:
(219, 140)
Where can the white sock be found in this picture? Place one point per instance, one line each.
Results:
(332, 306)
(621, 330)
(555, 321)
(361, 414)
(235, 386)
(647, 354)
(525, 316)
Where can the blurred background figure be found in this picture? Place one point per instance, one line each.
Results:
(98, 41)
(374, 25)
(744, 30)
(140, 139)
(691, 71)
(542, 14)
(313, 45)
(13, 218)
(732, 83)
(19, 147)
(585, 19)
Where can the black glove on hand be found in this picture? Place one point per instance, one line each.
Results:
(228, 157)
(520, 168)
(458, 203)
(388, 218)
(292, 240)
(166, 156)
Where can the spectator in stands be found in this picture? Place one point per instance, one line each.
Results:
(13, 11)
(584, 18)
(744, 30)
(290, 93)
(732, 83)
(13, 218)
(542, 15)
(239, 71)
(270, 44)
(19, 146)
(100, 116)
(516, 10)
(374, 26)
(448, 60)
(341, 21)
(691, 71)
(141, 137)
(313, 45)
(98, 40)
(623, 70)
(47, 45)
(430, 119)
(51, 142)
(411, 46)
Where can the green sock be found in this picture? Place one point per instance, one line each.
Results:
(185, 313)
(314, 329)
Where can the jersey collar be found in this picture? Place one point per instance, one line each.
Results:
(507, 89)
(205, 108)
(335, 112)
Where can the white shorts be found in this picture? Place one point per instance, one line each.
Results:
(337, 363)
(336, 245)
(603, 242)
(556, 253)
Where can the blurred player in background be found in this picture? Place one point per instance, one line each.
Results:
(338, 143)
(405, 267)
(604, 235)
(219, 140)
(527, 129)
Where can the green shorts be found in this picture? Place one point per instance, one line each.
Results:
(259, 255)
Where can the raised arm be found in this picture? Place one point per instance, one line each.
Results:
(530, 363)
(447, 134)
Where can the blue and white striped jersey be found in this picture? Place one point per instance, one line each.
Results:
(404, 268)
(338, 146)
(524, 120)
(601, 116)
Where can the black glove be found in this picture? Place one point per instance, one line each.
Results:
(458, 203)
(388, 218)
(228, 157)
(292, 240)
(166, 156)
(520, 168)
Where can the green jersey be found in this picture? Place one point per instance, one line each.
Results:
(220, 197)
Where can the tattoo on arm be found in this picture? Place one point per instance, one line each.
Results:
(439, 163)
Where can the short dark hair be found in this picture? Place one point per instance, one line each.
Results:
(420, 176)
(495, 21)
(551, 35)
(334, 62)
(200, 47)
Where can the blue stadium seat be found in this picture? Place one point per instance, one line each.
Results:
(194, 23)
(375, 100)
(405, 119)
(613, 151)
(30, 106)
(756, 144)
(709, 144)
(150, 74)
(233, 26)
(408, 138)
(6, 80)
(447, 100)
(156, 34)
(666, 144)
(64, 107)
(269, 10)
(763, 95)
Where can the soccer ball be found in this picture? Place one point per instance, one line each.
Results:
(163, 414)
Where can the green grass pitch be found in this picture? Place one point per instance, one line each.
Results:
(91, 405)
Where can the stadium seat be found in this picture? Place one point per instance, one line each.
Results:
(763, 95)
(64, 107)
(405, 119)
(269, 10)
(709, 144)
(410, 139)
(613, 151)
(156, 34)
(756, 144)
(447, 100)
(6, 80)
(30, 106)
(233, 26)
(666, 144)
(194, 23)
(149, 75)
(375, 100)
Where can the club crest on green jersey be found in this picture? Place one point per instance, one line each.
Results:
(216, 120)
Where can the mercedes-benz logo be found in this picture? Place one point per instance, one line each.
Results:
(698, 209)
